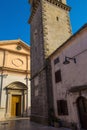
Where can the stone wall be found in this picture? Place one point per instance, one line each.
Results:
(56, 26)
(73, 74)
(39, 107)
(49, 29)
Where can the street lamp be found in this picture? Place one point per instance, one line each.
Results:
(67, 60)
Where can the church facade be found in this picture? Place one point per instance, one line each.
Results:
(14, 79)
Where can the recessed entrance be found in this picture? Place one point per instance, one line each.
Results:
(82, 109)
(16, 105)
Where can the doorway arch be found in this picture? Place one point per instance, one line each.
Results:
(82, 111)
(16, 99)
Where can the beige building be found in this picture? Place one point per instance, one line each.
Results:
(14, 79)
(69, 80)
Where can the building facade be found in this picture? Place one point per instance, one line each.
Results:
(69, 80)
(50, 28)
(14, 79)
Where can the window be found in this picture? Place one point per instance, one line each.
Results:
(62, 107)
(19, 47)
(35, 32)
(57, 18)
(56, 60)
(58, 76)
(35, 35)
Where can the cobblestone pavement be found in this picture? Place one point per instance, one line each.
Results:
(25, 124)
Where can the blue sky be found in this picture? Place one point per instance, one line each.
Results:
(14, 15)
(78, 15)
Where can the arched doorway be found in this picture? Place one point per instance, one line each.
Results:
(16, 103)
(82, 111)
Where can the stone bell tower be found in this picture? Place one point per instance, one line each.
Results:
(50, 28)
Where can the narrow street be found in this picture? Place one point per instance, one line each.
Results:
(25, 124)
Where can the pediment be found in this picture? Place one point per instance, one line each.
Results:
(17, 86)
(16, 46)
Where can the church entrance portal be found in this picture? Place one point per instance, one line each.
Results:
(16, 105)
(16, 101)
(82, 109)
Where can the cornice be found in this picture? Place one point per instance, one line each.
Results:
(59, 4)
(14, 70)
(16, 52)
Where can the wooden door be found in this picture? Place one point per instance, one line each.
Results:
(82, 109)
(16, 105)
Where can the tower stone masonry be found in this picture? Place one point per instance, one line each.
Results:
(50, 28)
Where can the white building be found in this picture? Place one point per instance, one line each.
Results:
(14, 79)
(69, 79)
